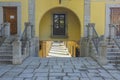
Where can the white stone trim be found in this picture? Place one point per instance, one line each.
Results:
(108, 6)
(19, 13)
(86, 15)
(31, 13)
(1, 15)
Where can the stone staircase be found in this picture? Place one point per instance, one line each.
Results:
(6, 51)
(58, 49)
(113, 52)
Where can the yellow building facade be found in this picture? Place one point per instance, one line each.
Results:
(77, 13)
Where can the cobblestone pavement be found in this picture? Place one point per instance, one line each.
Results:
(34, 68)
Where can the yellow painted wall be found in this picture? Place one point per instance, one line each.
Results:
(45, 48)
(73, 25)
(43, 6)
(24, 6)
(98, 14)
(72, 45)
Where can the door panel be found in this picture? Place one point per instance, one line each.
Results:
(10, 15)
(115, 18)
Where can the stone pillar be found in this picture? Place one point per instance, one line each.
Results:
(32, 47)
(91, 25)
(31, 14)
(17, 56)
(111, 31)
(87, 15)
(28, 25)
(24, 53)
(1, 14)
(84, 50)
(32, 31)
(7, 29)
(102, 51)
(27, 49)
(36, 46)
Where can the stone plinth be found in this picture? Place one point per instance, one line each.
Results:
(17, 56)
(102, 53)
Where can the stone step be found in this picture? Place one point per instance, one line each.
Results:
(113, 57)
(4, 60)
(111, 46)
(115, 62)
(111, 43)
(113, 52)
(6, 48)
(6, 54)
(6, 57)
(116, 48)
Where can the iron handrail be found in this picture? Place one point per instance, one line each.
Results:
(2, 32)
(95, 39)
(24, 39)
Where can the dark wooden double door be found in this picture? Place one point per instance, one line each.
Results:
(115, 18)
(10, 15)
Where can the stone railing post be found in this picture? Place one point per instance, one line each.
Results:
(111, 31)
(7, 29)
(36, 46)
(17, 56)
(32, 47)
(102, 51)
(84, 50)
(32, 31)
(27, 49)
(28, 25)
(91, 25)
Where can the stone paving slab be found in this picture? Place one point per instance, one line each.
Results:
(57, 69)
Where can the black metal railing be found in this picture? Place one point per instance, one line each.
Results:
(24, 40)
(2, 33)
(95, 39)
(93, 35)
(2, 30)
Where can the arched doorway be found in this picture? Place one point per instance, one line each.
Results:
(60, 24)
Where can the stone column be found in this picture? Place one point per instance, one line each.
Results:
(84, 50)
(91, 25)
(111, 31)
(32, 47)
(1, 14)
(7, 29)
(102, 53)
(24, 53)
(28, 25)
(17, 56)
(87, 15)
(36, 46)
(27, 49)
(31, 14)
